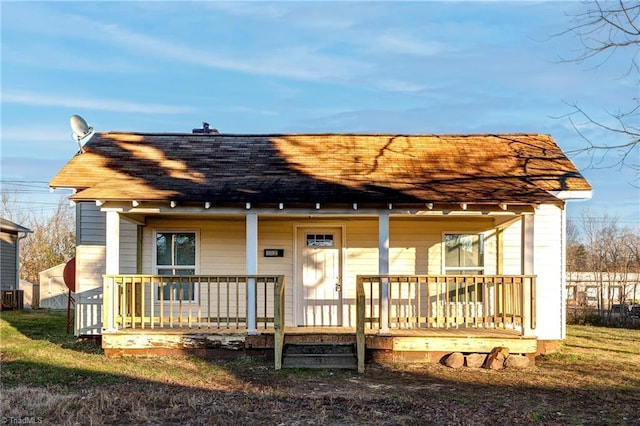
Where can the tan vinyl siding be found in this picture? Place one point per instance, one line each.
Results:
(407, 247)
(547, 264)
(433, 233)
(221, 244)
(222, 249)
(511, 254)
(278, 234)
(361, 256)
(361, 247)
(414, 248)
(490, 252)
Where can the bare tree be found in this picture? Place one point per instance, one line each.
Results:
(611, 258)
(632, 245)
(576, 251)
(52, 240)
(606, 29)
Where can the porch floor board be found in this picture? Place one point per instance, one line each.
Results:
(394, 332)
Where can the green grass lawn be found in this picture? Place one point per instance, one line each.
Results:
(50, 377)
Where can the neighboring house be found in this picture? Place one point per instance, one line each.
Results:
(10, 236)
(602, 290)
(402, 235)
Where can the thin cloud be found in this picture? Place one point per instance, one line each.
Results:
(403, 44)
(36, 134)
(56, 58)
(401, 86)
(254, 9)
(300, 15)
(51, 100)
(303, 63)
(245, 109)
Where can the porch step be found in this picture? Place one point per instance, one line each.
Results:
(320, 355)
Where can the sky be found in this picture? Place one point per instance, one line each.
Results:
(298, 67)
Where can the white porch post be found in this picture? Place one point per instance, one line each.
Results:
(112, 266)
(527, 245)
(113, 243)
(252, 269)
(383, 269)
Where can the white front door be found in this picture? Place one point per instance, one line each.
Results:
(320, 276)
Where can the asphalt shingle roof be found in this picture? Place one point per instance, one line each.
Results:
(325, 168)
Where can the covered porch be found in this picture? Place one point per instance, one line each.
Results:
(416, 315)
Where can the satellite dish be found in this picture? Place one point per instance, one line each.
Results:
(81, 129)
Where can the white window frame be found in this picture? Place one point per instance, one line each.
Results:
(196, 267)
(479, 269)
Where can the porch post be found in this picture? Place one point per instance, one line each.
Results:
(252, 269)
(113, 243)
(527, 269)
(112, 267)
(527, 244)
(383, 269)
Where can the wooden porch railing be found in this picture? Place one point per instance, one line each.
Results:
(447, 301)
(191, 301)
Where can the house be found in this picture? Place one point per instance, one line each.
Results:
(602, 290)
(10, 236)
(417, 245)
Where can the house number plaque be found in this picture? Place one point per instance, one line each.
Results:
(273, 252)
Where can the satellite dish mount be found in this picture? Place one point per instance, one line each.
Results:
(81, 130)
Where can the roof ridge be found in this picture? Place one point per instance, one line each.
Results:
(115, 132)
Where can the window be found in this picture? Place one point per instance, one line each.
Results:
(176, 255)
(319, 240)
(463, 254)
